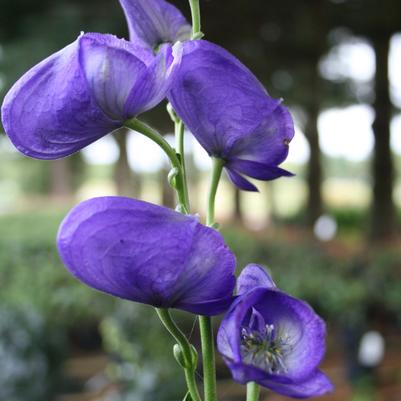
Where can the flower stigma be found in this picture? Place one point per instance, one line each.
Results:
(265, 349)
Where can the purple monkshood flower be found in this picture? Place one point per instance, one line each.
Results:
(154, 22)
(273, 339)
(84, 92)
(230, 113)
(149, 254)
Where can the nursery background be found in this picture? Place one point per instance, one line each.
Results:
(332, 232)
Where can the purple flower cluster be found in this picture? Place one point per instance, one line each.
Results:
(91, 87)
(150, 254)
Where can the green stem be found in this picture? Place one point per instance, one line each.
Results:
(196, 21)
(152, 134)
(190, 363)
(179, 138)
(252, 391)
(205, 322)
(217, 169)
(179, 145)
(208, 358)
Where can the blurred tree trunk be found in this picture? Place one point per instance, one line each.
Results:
(123, 176)
(314, 175)
(168, 193)
(383, 210)
(237, 212)
(61, 178)
(314, 206)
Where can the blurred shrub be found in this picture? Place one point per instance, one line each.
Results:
(30, 356)
(142, 351)
(340, 289)
(32, 274)
(32, 278)
(348, 219)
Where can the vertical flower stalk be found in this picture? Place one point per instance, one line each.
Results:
(176, 162)
(187, 356)
(252, 391)
(179, 131)
(205, 323)
(196, 20)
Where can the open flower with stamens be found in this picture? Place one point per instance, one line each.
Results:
(149, 254)
(273, 339)
(84, 92)
(155, 22)
(230, 113)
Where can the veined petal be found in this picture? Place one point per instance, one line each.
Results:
(240, 182)
(229, 334)
(253, 276)
(153, 85)
(147, 253)
(273, 339)
(315, 385)
(304, 329)
(230, 113)
(112, 68)
(50, 113)
(208, 308)
(269, 142)
(217, 97)
(257, 170)
(154, 22)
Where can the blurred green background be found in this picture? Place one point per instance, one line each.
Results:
(330, 235)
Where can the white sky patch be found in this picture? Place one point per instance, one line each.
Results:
(144, 156)
(103, 151)
(299, 148)
(351, 60)
(396, 134)
(347, 132)
(395, 69)
(201, 158)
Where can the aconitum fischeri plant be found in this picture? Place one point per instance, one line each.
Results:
(149, 254)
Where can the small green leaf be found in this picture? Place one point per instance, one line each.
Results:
(172, 177)
(179, 356)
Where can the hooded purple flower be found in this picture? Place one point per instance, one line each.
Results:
(149, 254)
(84, 92)
(230, 113)
(154, 22)
(273, 339)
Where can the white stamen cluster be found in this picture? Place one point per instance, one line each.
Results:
(265, 349)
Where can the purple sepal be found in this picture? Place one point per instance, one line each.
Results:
(316, 385)
(257, 170)
(239, 181)
(264, 316)
(149, 254)
(154, 22)
(230, 113)
(253, 276)
(84, 92)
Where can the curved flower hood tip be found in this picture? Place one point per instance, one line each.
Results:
(273, 339)
(149, 254)
(84, 92)
(230, 113)
(154, 22)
